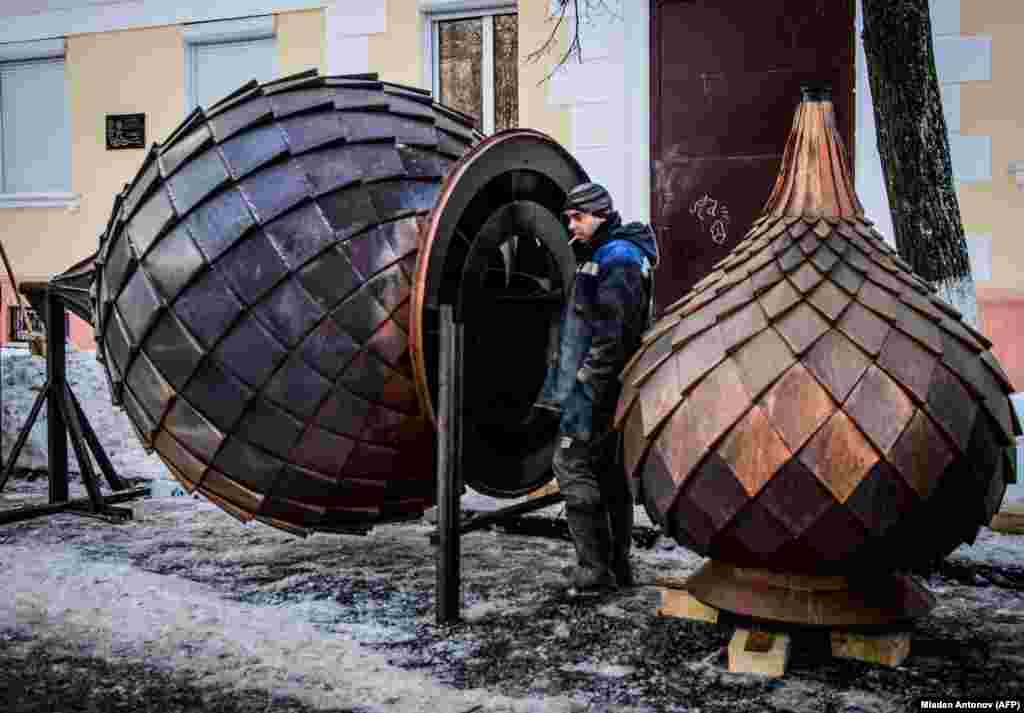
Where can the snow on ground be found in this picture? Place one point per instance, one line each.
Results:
(112, 610)
(345, 623)
(23, 375)
(184, 604)
(139, 592)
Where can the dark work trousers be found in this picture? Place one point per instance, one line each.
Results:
(592, 479)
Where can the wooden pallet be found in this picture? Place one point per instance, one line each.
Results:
(765, 651)
(1009, 520)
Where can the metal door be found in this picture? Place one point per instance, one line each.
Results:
(725, 79)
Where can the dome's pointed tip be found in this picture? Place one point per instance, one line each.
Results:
(815, 174)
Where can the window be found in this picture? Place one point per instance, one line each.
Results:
(222, 56)
(35, 136)
(474, 62)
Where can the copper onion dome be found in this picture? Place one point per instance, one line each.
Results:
(811, 406)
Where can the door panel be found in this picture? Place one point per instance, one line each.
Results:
(726, 77)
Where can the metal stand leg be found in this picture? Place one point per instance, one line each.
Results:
(65, 418)
(449, 490)
(113, 480)
(57, 440)
(23, 436)
(81, 452)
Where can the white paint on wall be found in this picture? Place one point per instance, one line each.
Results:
(979, 247)
(971, 157)
(951, 106)
(1015, 491)
(348, 55)
(958, 59)
(91, 18)
(361, 18)
(608, 96)
(349, 26)
(585, 83)
(963, 59)
(945, 15)
(637, 107)
(592, 128)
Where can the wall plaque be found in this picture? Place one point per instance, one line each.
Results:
(126, 131)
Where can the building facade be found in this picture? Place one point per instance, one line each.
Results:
(71, 69)
(66, 66)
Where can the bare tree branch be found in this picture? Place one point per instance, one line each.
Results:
(574, 45)
(578, 7)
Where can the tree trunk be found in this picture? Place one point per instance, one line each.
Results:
(914, 147)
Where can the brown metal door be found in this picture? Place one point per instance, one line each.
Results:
(725, 80)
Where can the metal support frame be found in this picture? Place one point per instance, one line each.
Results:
(449, 467)
(65, 417)
(450, 527)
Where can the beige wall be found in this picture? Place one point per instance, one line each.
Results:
(996, 108)
(44, 241)
(397, 56)
(301, 41)
(535, 26)
(134, 71)
(142, 71)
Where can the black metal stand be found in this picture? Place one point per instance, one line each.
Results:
(65, 417)
(450, 527)
(449, 467)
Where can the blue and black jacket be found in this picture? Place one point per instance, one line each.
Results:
(608, 310)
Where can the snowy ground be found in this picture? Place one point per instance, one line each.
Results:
(184, 609)
(22, 376)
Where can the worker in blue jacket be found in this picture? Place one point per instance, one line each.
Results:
(608, 310)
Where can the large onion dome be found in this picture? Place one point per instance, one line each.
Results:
(811, 406)
(252, 303)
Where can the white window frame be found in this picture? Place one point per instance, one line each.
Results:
(437, 12)
(31, 52)
(218, 32)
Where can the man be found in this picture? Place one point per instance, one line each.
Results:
(608, 309)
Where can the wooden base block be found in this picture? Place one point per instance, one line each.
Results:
(885, 649)
(1009, 520)
(761, 652)
(681, 604)
(546, 489)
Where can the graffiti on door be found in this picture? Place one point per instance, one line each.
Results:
(713, 216)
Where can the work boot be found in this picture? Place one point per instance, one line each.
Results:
(592, 539)
(586, 580)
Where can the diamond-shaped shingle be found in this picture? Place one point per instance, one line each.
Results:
(921, 454)
(754, 451)
(880, 408)
(797, 406)
(839, 456)
(837, 363)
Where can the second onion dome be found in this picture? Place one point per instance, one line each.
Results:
(253, 299)
(812, 405)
